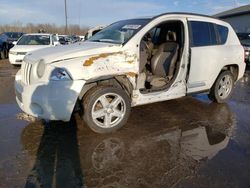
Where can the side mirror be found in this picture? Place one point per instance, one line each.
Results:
(14, 42)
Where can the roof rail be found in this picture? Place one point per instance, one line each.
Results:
(187, 13)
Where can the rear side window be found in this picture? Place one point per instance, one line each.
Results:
(202, 34)
(222, 32)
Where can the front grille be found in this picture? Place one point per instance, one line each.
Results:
(26, 71)
(21, 53)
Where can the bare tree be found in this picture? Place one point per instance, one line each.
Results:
(49, 28)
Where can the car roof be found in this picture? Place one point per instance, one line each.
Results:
(176, 13)
(187, 15)
(184, 14)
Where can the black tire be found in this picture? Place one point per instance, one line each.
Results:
(215, 94)
(92, 100)
(6, 54)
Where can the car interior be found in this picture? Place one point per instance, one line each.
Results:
(160, 54)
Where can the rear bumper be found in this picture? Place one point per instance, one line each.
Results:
(54, 100)
(242, 68)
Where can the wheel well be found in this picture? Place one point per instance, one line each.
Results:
(234, 69)
(116, 81)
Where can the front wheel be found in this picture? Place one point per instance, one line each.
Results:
(106, 108)
(222, 88)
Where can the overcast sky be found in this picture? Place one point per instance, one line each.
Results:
(95, 12)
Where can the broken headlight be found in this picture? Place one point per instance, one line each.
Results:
(59, 74)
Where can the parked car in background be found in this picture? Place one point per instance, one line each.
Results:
(245, 42)
(64, 39)
(75, 38)
(2, 50)
(82, 37)
(68, 39)
(93, 31)
(6, 42)
(31, 42)
(129, 63)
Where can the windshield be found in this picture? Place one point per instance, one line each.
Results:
(34, 40)
(119, 32)
(244, 39)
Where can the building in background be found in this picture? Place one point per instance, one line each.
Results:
(239, 18)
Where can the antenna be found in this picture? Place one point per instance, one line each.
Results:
(66, 17)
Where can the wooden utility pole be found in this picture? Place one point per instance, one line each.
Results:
(66, 17)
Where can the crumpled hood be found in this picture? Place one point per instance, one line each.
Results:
(63, 52)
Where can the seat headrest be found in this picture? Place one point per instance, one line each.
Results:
(171, 36)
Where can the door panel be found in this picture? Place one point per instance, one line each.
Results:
(206, 56)
(205, 63)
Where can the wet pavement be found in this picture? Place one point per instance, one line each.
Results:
(189, 142)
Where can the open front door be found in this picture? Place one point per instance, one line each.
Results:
(176, 86)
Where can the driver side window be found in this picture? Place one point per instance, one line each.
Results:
(155, 33)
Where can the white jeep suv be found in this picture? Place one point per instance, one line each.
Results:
(130, 63)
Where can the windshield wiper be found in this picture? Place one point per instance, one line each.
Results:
(106, 40)
(94, 40)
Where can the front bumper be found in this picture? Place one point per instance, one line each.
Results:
(54, 100)
(16, 59)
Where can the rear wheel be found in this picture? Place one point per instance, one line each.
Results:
(222, 88)
(106, 108)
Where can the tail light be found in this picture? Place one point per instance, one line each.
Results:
(244, 50)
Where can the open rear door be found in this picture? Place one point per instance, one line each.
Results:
(202, 47)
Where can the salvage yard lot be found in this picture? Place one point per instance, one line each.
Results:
(189, 142)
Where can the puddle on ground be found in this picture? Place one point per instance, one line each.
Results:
(156, 148)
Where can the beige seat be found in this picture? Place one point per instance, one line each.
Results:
(146, 49)
(164, 61)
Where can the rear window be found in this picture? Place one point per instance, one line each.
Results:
(202, 34)
(222, 32)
